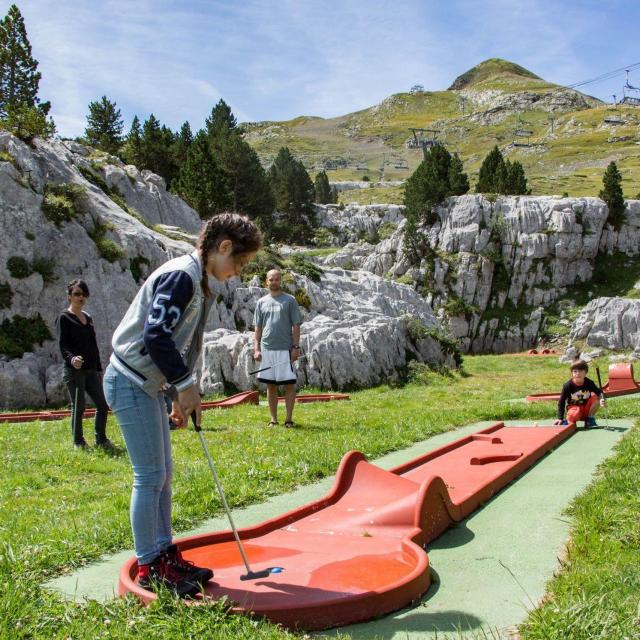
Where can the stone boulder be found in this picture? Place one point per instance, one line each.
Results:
(613, 323)
(357, 331)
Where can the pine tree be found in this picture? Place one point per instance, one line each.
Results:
(104, 126)
(183, 141)
(132, 149)
(19, 75)
(221, 122)
(490, 169)
(437, 177)
(322, 188)
(293, 192)
(516, 180)
(155, 149)
(21, 111)
(246, 181)
(458, 180)
(613, 196)
(200, 181)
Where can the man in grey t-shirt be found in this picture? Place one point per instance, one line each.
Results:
(277, 336)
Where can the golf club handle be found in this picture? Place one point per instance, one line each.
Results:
(600, 381)
(198, 429)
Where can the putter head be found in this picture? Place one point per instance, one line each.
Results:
(255, 575)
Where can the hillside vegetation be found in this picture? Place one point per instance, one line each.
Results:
(569, 147)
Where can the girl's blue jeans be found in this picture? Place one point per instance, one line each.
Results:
(144, 424)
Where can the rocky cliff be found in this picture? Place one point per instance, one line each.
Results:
(492, 267)
(67, 212)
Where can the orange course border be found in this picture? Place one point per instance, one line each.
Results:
(246, 397)
(359, 552)
(621, 383)
(317, 397)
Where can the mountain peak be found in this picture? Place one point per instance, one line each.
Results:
(490, 69)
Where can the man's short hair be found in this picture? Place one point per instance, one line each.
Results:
(580, 365)
(274, 271)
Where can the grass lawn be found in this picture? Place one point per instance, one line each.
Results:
(61, 508)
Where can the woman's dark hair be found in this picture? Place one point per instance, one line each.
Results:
(243, 233)
(580, 365)
(81, 284)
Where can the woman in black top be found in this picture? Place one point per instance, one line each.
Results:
(82, 367)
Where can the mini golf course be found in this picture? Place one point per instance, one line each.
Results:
(358, 553)
(486, 570)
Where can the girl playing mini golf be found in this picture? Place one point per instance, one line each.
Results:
(156, 345)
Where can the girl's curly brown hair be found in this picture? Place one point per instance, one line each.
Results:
(243, 233)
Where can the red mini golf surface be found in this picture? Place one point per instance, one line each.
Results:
(317, 397)
(246, 397)
(358, 552)
(621, 383)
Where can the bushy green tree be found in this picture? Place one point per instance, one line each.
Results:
(183, 141)
(612, 195)
(500, 176)
(516, 180)
(490, 172)
(437, 177)
(132, 148)
(246, 185)
(156, 149)
(104, 126)
(21, 111)
(293, 192)
(458, 180)
(324, 192)
(221, 122)
(200, 181)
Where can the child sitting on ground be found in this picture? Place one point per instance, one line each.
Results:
(581, 395)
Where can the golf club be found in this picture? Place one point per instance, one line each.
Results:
(604, 413)
(250, 575)
(277, 364)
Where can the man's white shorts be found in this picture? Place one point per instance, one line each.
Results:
(280, 371)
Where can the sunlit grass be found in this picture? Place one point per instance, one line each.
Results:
(61, 508)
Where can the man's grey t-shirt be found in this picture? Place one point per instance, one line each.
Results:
(276, 316)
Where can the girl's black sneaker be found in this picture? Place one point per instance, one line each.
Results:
(200, 575)
(159, 573)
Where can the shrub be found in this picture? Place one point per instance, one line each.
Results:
(323, 237)
(265, 260)
(457, 307)
(302, 298)
(107, 248)
(19, 334)
(27, 122)
(135, 265)
(62, 202)
(6, 295)
(45, 267)
(418, 331)
(386, 230)
(302, 265)
(19, 267)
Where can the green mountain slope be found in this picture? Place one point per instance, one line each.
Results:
(568, 148)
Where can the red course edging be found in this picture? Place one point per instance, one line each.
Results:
(359, 553)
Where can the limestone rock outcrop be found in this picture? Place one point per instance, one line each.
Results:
(357, 331)
(102, 221)
(484, 263)
(613, 323)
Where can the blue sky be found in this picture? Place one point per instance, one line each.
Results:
(274, 60)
